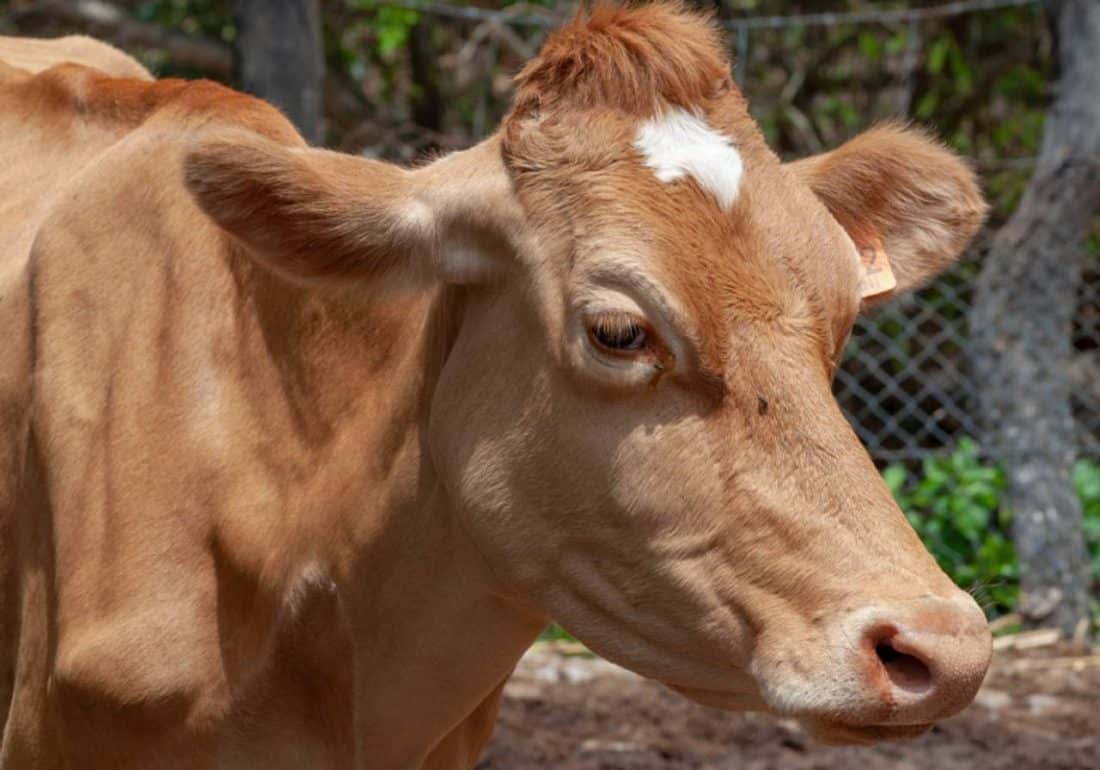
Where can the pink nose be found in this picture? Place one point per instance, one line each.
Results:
(925, 659)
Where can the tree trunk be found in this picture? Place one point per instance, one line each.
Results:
(1021, 328)
(280, 58)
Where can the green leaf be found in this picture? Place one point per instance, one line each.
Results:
(937, 55)
(895, 477)
(869, 46)
(927, 105)
(896, 43)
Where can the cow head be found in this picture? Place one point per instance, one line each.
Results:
(634, 418)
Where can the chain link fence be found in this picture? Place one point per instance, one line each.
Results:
(906, 383)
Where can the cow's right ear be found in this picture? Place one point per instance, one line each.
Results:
(319, 217)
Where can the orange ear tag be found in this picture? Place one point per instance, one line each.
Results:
(875, 276)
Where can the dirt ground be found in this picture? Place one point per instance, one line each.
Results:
(1038, 710)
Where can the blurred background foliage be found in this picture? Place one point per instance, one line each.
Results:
(979, 78)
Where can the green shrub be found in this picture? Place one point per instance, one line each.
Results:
(1086, 478)
(954, 504)
(555, 633)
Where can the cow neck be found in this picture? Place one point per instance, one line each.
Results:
(434, 638)
(461, 631)
(434, 632)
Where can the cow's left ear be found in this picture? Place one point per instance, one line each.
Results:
(323, 218)
(910, 205)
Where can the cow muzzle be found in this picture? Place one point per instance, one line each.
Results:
(887, 671)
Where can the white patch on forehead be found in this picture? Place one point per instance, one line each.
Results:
(678, 144)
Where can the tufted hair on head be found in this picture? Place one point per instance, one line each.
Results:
(633, 58)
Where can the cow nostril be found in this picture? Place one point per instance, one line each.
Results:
(906, 672)
(920, 660)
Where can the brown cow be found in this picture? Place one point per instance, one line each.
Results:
(37, 55)
(301, 450)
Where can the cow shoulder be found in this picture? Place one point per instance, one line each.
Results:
(126, 270)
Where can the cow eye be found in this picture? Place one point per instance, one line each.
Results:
(618, 333)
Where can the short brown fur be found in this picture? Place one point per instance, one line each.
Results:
(633, 59)
(259, 500)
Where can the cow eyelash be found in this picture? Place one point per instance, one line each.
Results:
(619, 334)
